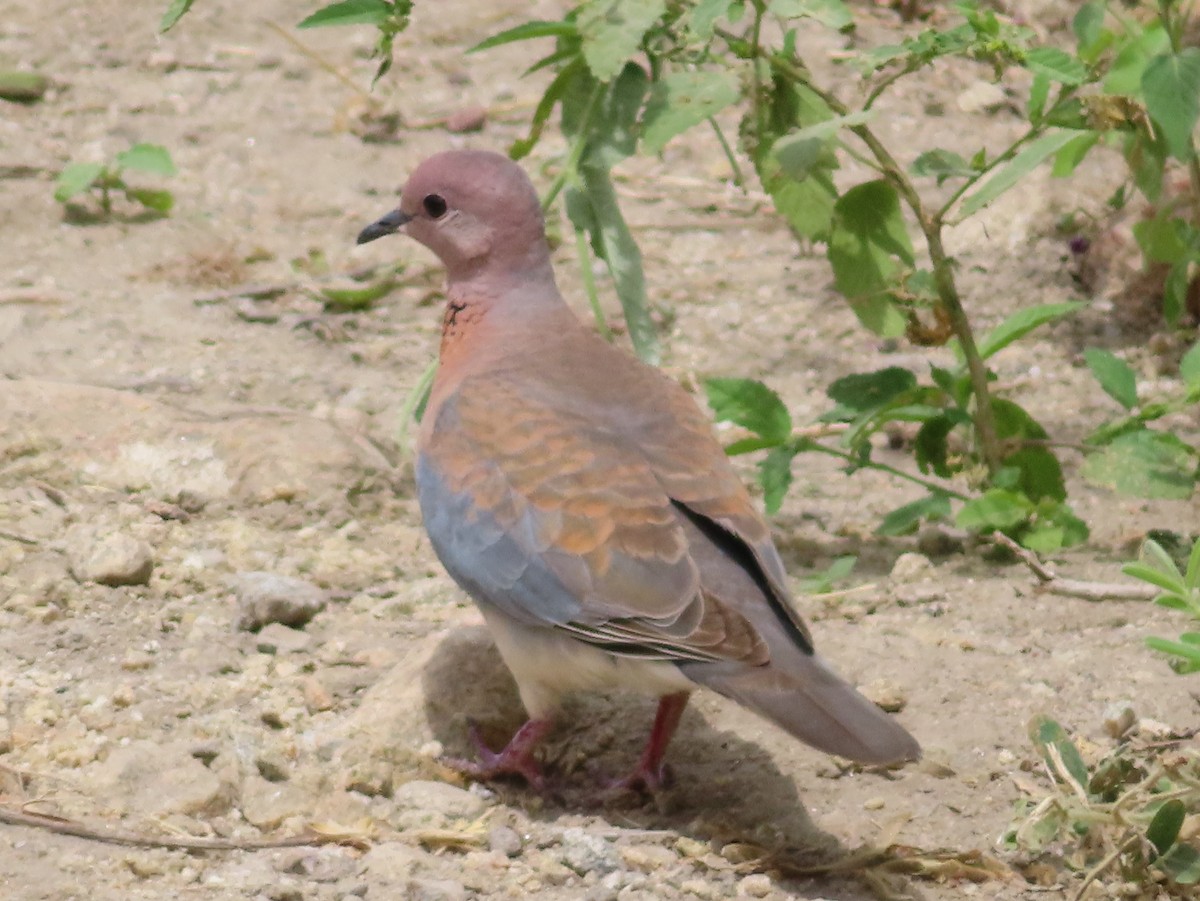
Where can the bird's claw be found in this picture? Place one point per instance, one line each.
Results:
(515, 759)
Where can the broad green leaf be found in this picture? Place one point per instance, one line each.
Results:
(704, 16)
(75, 179)
(147, 158)
(868, 240)
(1181, 863)
(1016, 169)
(1114, 376)
(1163, 830)
(831, 13)
(348, 12)
(1067, 160)
(1040, 473)
(159, 201)
(798, 152)
(613, 129)
(994, 509)
(1175, 291)
(1048, 733)
(1125, 74)
(683, 99)
(904, 520)
(527, 31)
(1022, 323)
(1144, 464)
(930, 446)
(1088, 26)
(943, 164)
(871, 390)
(1189, 367)
(806, 205)
(1054, 527)
(1162, 239)
(775, 476)
(612, 31)
(1039, 93)
(1057, 65)
(620, 251)
(750, 404)
(1171, 88)
(175, 11)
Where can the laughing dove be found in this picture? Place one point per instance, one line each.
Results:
(581, 499)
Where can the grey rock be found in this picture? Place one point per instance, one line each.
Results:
(158, 780)
(389, 864)
(435, 890)
(318, 864)
(584, 852)
(505, 840)
(440, 798)
(276, 638)
(267, 804)
(265, 597)
(108, 559)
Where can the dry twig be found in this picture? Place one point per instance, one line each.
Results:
(1049, 580)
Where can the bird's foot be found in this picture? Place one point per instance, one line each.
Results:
(515, 759)
(646, 779)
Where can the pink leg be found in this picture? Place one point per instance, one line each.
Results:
(652, 774)
(515, 759)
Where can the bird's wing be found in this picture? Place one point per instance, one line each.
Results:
(561, 522)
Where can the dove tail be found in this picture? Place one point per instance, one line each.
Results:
(813, 703)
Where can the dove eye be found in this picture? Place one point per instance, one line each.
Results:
(435, 205)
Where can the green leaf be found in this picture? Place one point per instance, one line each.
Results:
(1188, 655)
(683, 99)
(566, 80)
(349, 12)
(1022, 323)
(931, 447)
(1171, 87)
(1163, 830)
(1016, 169)
(159, 201)
(1144, 464)
(175, 11)
(704, 16)
(1057, 65)
(775, 476)
(357, 298)
(943, 164)
(1114, 376)
(528, 31)
(1088, 26)
(75, 179)
(1046, 734)
(152, 158)
(1189, 367)
(1068, 159)
(1163, 239)
(1125, 74)
(798, 152)
(871, 390)
(1175, 291)
(620, 251)
(867, 240)
(830, 13)
(1039, 93)
(1192, 577)
(904, 520)
(1181, 863)
(750, 404)
(612, 31)
(1165, 580)
(996, 508)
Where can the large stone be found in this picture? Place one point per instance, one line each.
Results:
(157, 780)
(108, 559)
(265, 597)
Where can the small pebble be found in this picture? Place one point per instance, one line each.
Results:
(756, 885)
(505, 840)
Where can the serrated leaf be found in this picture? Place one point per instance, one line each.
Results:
(997, 508)
(775, 476)
(905, 519)
(1016, 169)
(750, 404)
(1171, 89)
(1163, 830)
(612, 32)
(798, 152)
(174, 12)
(1189, 367)
(1057, 65)
(1144, 464)
(868, 240)
(681, 100)
(1114, 376)
(75, 179)
(704, 16)
(1022, 323)
(830, 13)
(528, 31)
(152, 158)
(871, 390)
(159, 201)
(348, 12)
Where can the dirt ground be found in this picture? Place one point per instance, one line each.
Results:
(149, 423)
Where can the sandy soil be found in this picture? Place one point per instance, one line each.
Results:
(144, 423)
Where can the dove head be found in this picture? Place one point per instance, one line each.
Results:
(477, 211)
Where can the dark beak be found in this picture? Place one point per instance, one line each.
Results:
(389, 224)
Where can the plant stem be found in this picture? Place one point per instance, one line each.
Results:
(738, 178)
(809, 444)
(589, 283)
(943, 269)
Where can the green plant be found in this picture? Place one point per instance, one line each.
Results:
(1180, 591)
(1124, 817)
(103, 180)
